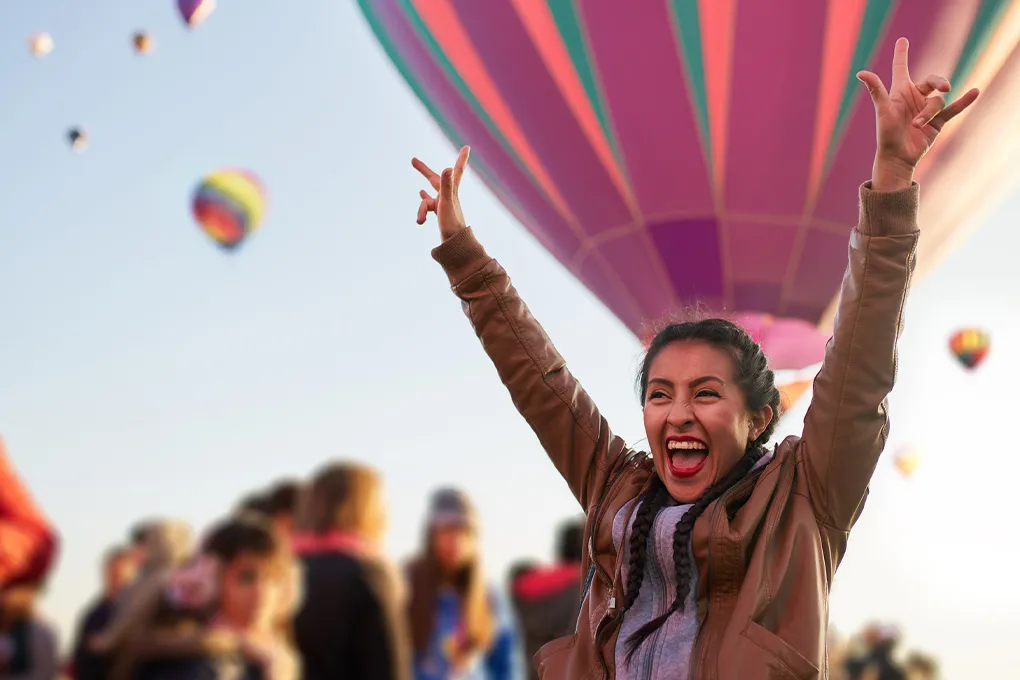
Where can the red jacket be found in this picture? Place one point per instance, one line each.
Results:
(28, 542)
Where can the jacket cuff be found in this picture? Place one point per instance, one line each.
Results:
(888, 213)
(461, 256)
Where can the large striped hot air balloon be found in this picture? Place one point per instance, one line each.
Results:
(677, 151)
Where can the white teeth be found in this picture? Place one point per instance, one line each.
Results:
(685, 445)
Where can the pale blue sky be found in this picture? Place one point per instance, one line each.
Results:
(144, 372)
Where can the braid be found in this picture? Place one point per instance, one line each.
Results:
(682, 562)
(651, 502)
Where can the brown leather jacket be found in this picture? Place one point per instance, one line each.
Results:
(771, 544)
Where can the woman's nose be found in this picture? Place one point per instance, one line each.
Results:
(680, 414)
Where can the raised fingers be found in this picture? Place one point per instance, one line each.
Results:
(955, 108)
(876, 88)
(427, 205)
(458, 167)
(426, 172)
(933, 106)
(900, 72)
(933, 83)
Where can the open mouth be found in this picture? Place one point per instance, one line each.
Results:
(686, 456)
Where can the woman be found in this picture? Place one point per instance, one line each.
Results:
(219, 617)
(459, 625)
(350, 625)
(713, 556)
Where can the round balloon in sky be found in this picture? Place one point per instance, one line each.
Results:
(143, 42)
(40, 44)
(229, 205)
(907, 460)
(637, 142)
(194, 12)
(77, 138)
(970, 346)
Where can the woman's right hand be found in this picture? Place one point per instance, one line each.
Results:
(446, 203)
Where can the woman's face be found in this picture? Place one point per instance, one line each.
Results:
(454, 546)
(245, 590)
(696, 417)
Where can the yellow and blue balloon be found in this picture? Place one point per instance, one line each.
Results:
(229, 205)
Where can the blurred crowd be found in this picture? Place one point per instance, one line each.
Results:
(294, 583)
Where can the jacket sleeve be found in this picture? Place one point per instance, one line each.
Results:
(574, 434)
(846, 425)
(28, 542)
(380, 636)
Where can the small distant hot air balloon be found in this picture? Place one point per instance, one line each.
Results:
(78, 138)
(194, 12)
(41, 44)
(229, 205)
(906, 460)
(970, 346)
(143, 42)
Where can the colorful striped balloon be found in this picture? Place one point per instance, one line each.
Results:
(675, 152)
(194, 12)
(970, 346)
(229, 205)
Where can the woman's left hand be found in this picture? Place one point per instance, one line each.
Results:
(909, 117)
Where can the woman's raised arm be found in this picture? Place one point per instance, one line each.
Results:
(846, 424)
(574, 434)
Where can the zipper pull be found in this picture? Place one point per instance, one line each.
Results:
(612, 603)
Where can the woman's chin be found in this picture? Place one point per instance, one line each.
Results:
(686, 490)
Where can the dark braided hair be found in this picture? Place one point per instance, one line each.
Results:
(758, 384)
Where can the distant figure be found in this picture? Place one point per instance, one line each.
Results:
(351, 622)
(460, 625)
(281, 503)
(548, 599)
(118, 570)
(921, 667)
(875, 661)
(28, 643)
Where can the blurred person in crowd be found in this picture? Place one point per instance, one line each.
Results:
(119, 569)
(282, 501)
(219, 617)
(166, 544)
(351, 622)
(519, 568)
(28, 643)
(874, 660)
(136, 543)
(254, 502)
(921, 667)
(460, 626)
(547, 599)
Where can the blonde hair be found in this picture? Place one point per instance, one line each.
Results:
(343, 497)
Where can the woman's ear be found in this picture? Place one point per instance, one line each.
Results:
(759, 422)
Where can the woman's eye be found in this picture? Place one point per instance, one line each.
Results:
(657, 394)
(708, 393)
